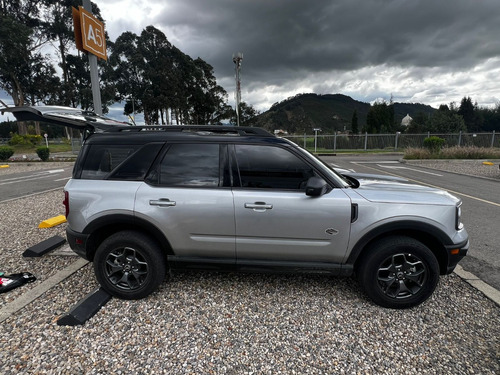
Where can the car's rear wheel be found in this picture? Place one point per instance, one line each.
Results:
(398, 272)
(129, 265)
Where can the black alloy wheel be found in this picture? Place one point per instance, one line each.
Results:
(129, 265)
(398, 272)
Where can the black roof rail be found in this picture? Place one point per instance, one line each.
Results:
(200, 129)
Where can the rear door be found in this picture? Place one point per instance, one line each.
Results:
(187, 199)
(275, 220)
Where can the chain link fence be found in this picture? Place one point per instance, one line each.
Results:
(389, 142)
(337, 142)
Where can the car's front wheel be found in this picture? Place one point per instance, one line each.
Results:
(129, 265)
(398, 272)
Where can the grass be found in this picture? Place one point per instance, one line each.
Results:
(455, 152)
(29, 149)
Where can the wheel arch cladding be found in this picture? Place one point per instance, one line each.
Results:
(430, 236)
(105, 226)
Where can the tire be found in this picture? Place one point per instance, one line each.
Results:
(398, 272)
(129, 265)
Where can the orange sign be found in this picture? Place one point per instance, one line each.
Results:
(92, 33)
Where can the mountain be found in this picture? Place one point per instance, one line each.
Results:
(332, 112)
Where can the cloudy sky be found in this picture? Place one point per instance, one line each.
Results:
(425, 51)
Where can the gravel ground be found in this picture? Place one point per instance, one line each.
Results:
(216, 323)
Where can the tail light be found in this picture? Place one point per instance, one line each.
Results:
(66, 202)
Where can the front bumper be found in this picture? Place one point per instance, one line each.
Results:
(455, 254)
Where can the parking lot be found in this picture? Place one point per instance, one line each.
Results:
(217, 323)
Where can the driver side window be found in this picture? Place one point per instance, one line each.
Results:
(269, 167)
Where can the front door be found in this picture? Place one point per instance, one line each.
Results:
(275, 220)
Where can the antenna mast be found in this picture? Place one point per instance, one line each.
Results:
(237, 59)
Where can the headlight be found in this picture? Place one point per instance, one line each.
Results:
(458, 217)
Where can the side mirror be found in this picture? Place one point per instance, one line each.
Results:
(316, 187)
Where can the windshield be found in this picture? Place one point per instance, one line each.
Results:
(339, 179)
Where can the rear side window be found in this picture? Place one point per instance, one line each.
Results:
(119, 162)
(191, 165)
(268, 167)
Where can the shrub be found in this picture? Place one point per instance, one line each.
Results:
(470, 152)
(28, 139)
(412, 153)
(43, 153)
(5, 152)
(33, 139)
(16, 139)
(455, 152)
(434, 144)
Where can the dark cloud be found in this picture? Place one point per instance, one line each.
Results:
(429, 51)
(282, 37)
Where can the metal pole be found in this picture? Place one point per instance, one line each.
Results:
(366, 139)
(493, 139)
(460, 138)
(315, 140)
(94, 74)
(335, 142)
(237, 58)
(305, 138)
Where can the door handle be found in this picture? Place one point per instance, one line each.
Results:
(259, 206)
(162, 202)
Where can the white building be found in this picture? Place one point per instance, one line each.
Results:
(406, 120)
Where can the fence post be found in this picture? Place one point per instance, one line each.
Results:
(366, 139)
(305, 138)
(493, 139)
(459, 138)
(335, 142)
(396, 143)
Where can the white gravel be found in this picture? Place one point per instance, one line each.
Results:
(469, 167)
(216, 323)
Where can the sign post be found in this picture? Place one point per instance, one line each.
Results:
(90, 37)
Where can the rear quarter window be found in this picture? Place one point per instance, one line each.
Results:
(118, 162)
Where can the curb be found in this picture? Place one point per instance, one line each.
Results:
(489, 291)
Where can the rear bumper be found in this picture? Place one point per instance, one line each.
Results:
(455, 254)
(78, 242)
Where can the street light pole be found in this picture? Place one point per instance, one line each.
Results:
(237, 59)
(94, 74)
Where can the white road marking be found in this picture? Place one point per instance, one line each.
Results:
(376, 162)
(410, 169)
(15, 180)
(31, 177)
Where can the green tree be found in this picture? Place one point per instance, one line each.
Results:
(491, 118)
(380, 118)
(445, 121)
(468, 112)
(354, 122)
(163, 82)
(419, 124)
(247, 113)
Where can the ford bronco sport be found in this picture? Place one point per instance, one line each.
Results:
(144, 200)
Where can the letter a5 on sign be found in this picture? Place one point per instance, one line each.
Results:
(92, 33)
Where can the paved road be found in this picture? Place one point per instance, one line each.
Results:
(22, 184)
(481, 206)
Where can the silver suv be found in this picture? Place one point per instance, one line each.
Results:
(144, 200)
